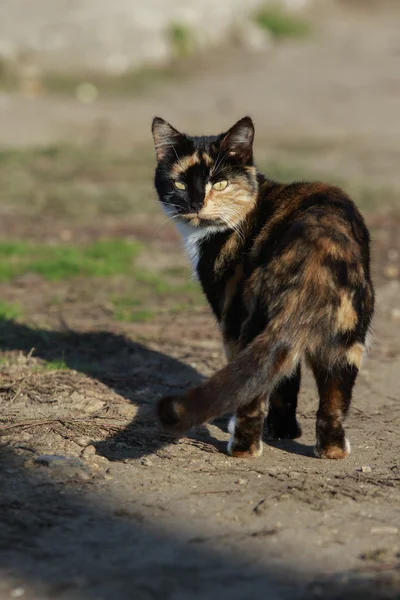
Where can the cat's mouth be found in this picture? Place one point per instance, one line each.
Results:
(195, 220)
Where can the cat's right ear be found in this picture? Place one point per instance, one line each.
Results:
(238, 141)
(165, 137)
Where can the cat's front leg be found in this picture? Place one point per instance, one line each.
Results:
(281, 420)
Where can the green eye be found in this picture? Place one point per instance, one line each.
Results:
(179, 185)
(220, 185)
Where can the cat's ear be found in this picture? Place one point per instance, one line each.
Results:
(165, 137)
(238, 141)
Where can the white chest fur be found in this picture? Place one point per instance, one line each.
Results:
(192, 238)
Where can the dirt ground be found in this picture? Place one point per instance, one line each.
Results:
(98, 503)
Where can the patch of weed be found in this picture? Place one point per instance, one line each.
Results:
(134, 315)
(280, 23)
(55, 365)
(181, 39)
(9, 311)
(99, 259)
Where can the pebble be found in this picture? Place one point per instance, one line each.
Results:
(89, 451)
(146, 462)
(83, 441)
(17, 592)
(365, 469)
(241, 481)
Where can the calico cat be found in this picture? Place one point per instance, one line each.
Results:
(285, 269)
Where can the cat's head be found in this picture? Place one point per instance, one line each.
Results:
(206, 181)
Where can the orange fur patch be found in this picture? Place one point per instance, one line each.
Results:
(207, 159)
(346, 318)
(184, 164)
(333, 452)
(355, 355)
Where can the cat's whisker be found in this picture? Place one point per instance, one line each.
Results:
(218, 165)
(166, 221)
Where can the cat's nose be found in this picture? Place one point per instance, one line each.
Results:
(196, 206)
(196, 200)
(197, 203)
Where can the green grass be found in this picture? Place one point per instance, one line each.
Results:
(181, 40)
(128, 314)
(78, 183)
(9, 311)
(55, 365)
(280, 23)
(99, 259)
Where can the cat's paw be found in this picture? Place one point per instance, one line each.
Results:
(333, 452)
(238, 450)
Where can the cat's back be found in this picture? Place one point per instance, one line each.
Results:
(298, 220)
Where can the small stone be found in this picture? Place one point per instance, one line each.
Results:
(83, 475)
(385, 530)
(146, 462)
(89, 451)
(17, 592)
(365, 469)
(83, 441)
(100, 459)
(241, 481)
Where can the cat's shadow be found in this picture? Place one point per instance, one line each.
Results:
(290, 446)
(135, 372)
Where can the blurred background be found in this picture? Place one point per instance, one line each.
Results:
(96, 298)
(79, 85)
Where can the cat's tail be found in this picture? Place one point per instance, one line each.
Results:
(255, 371)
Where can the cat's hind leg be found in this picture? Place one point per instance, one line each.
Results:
(281, 419)
(335, 385)
(246, 429)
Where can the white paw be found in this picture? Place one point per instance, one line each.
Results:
(319, 452)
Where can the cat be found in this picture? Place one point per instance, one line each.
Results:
(286, 271)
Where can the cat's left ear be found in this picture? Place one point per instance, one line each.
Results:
(238, 141)
(165, 137)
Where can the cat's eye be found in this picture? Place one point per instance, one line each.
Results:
(220, 185)
(179, 185)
